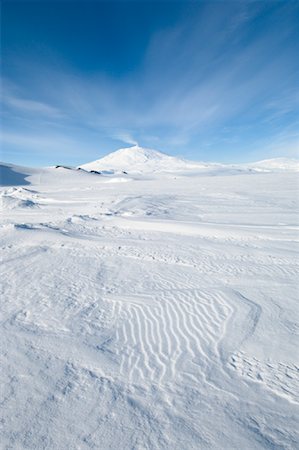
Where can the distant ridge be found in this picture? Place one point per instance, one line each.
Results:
(280, 164)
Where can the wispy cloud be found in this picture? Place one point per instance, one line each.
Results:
(125, 137)
(29, 106)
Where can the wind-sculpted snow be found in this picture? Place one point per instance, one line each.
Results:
(159, 313)
(18, 198)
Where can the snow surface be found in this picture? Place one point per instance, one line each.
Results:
(157, 313)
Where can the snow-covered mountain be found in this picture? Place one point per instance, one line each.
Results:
(276, 164)
(142, 160)
(138, 159)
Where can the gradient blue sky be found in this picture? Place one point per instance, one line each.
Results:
(213, 81)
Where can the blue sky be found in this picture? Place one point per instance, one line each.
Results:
(214, 81)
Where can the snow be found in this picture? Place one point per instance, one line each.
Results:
(150, 310)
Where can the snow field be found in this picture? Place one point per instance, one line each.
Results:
(159, 313)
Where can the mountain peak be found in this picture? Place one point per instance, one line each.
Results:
(136, 152)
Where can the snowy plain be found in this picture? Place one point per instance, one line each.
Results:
(152, 306)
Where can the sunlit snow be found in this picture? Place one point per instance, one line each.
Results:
(150, 306)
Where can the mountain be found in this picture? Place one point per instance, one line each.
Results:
(142, 160)
(138, 159)
(276, 164)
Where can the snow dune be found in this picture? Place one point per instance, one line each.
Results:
(159, 313)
